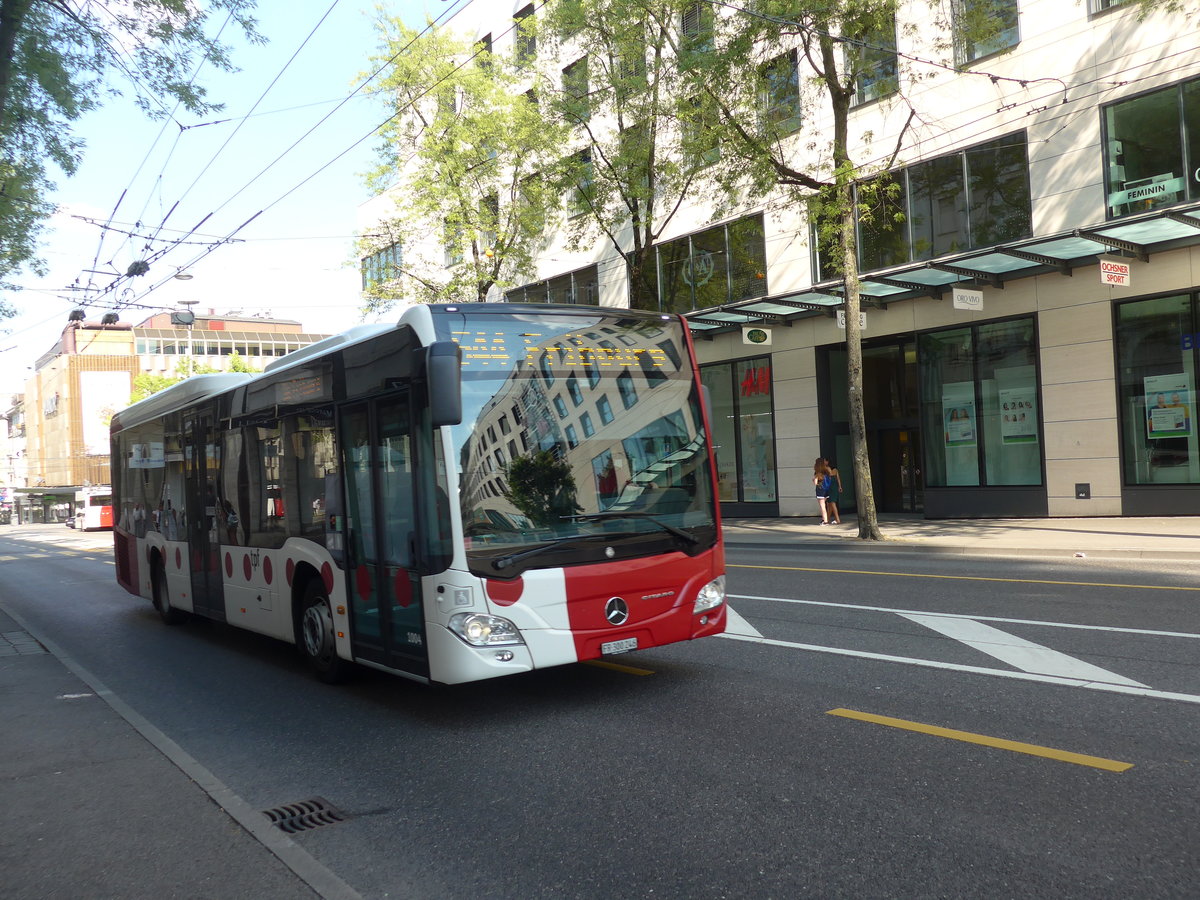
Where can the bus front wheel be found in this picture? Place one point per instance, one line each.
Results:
(162, 596)
(317, 638)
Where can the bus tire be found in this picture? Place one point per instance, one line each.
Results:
(162, 596)
(316, 637)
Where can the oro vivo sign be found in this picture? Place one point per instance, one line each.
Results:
(1114, 273)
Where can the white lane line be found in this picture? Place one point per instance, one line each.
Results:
(1018, 652)
(976, 670)
(736, 624)
(922, 612)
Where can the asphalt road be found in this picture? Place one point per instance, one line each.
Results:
(799, 757)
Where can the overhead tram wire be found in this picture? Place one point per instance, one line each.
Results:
(242, 120)
(229, 237)
(170, 117)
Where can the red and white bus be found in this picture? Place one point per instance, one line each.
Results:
(93, 509)
(471, 492)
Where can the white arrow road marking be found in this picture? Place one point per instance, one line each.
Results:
(735, 624)
(1018, 652)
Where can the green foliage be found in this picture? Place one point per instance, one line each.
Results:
(146, 383)
(542, 487)
(476, 152)
(54, 63)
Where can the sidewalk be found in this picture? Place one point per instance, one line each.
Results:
(1165, 537)
(100, 804)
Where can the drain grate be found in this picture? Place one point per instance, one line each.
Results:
(305, 815)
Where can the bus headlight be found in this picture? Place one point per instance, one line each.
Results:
(480, 630)
(711, 595)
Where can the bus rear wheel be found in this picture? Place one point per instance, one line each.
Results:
(162, 596)
(316, 637)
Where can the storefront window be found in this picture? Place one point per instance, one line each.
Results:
(948, 412)
(1156, 356)
(1009, 396)
(743, 429)
(980, 405)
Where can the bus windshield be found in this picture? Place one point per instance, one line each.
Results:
(580, 434)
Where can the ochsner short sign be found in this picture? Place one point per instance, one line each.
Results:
(1114, 273)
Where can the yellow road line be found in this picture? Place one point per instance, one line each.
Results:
(1079, 759)
(1140, 587)
(616, 667)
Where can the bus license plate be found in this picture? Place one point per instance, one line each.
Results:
(618, 646)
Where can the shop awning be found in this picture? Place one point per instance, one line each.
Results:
(1134, 237)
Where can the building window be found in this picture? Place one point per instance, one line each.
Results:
(1096, 6)
(716, 266)
(980, 409)
(696, 27)
(983, 27)
(574, 390)
(1157, 343)
(585, 422)
(576, 106)
(452, 237)
(780, 89)
(1152, 148)
(873, 62)
(581, 287)
(604, 409)
(524, 39)
(626, 389)
(977, 197)
(743, 429)
(580, 200)
(380, 266)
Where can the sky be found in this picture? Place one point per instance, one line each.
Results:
(297, 161)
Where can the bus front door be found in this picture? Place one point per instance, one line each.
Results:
(387, 620)
(202, 461)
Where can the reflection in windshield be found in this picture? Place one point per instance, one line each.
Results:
(578, 417)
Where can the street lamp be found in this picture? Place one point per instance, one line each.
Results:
(187, 318)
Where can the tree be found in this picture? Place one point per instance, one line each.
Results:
(641, 128)
(54, 59)
(844, 45)
(147, 383)
(474, 151)
(542, 487)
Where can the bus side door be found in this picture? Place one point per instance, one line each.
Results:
(387, 619)
(202, 463)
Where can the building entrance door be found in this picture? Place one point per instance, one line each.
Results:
(896, 470)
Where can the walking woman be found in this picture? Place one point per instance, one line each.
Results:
(835, 492)
(823, 482)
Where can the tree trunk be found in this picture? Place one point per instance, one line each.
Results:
(868, 519)
(840, 97)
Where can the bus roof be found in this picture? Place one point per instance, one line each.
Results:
(187, 391)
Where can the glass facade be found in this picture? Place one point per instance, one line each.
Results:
(977, 197)
(980, 405)
(719, 265)
(1156, 370)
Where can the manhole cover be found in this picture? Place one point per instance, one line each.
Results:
(304, 815)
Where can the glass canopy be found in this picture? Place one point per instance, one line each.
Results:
(1131, 237)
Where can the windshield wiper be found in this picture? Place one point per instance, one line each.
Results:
(633, 514)
(504, 562)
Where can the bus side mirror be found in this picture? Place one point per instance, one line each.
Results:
(443, 382)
